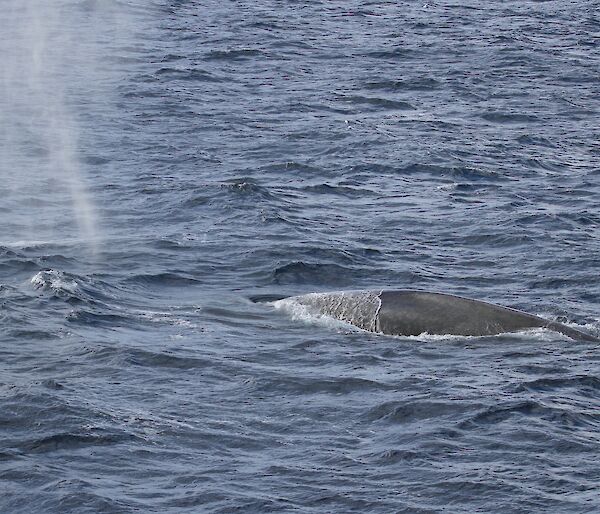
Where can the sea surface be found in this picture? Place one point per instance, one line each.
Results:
(165, 163)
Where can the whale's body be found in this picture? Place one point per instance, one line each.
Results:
(411, 313)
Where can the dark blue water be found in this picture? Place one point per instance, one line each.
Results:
(164, 162)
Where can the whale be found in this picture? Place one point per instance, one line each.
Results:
(413, 313)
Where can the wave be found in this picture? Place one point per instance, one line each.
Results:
(246, 186)
(420, 84)
(377, 103)
(586, 385)
(510, 117)
(55, 281)
(562, 416)
(75, 288)
(149, 359)
(236, 54)
(398, 53)
(345, 191)
(163, 279)
(188, 75)
(68, 441)
(307, 385)
(321, 274)
(416, 410)
(434, 170)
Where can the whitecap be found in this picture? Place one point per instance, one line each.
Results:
(53, 280)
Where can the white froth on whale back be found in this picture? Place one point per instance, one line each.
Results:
(354, 309)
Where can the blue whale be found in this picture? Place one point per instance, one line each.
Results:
(411, 313)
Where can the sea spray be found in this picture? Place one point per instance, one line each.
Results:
(48, 81)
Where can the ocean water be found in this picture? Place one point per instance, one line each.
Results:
(162, 163)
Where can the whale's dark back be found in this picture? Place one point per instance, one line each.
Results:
(416, 312)
(411, 313)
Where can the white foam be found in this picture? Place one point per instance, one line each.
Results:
(533, 334)
(165, 317)
(304, 314)
(24, 244)
(53, 280)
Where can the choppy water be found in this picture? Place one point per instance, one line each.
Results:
(236, 149)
